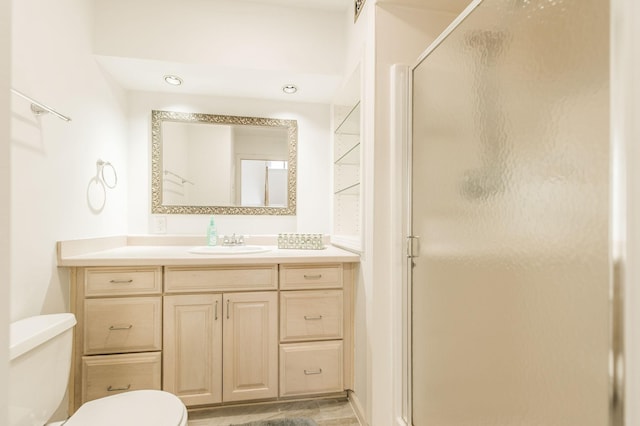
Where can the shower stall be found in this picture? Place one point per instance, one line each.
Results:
(510, 256)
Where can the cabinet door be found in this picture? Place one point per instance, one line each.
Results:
(192, 367)
(105, 375)
(250, 346)
(311, 367)
(122, 324)
(311, 315)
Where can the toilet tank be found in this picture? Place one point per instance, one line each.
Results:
(39, 363)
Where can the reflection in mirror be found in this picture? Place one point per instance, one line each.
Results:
(218, 164)
(263, 183)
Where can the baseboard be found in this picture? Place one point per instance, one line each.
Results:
(359, 412)
(401, 422)
(357, 408)
(270, 401)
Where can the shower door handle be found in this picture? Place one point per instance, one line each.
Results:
(413, 246)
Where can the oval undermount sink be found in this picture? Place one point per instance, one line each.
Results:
(228, 249)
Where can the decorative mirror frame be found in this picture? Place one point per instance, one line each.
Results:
(158, 117)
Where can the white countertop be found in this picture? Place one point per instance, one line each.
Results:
(118, 251)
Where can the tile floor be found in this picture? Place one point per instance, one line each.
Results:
(325, 412)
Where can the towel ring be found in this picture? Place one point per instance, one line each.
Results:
(101, 165)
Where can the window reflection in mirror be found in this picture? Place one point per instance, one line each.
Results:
(263, 183)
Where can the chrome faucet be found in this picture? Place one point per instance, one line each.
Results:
(234, 240)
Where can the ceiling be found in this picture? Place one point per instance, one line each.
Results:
(338, 5)
(202, 79)
(247, 76)
(302, 33)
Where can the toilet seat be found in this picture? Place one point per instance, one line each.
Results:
(135, 408)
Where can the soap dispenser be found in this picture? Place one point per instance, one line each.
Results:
(212, 235)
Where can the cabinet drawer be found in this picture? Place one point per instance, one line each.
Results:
(300, 277)
(105, 375)
(189, 279)
(311, 315)
(308, 368)
(122, 281)
(130, 324)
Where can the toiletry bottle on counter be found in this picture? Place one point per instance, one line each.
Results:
(212, 235)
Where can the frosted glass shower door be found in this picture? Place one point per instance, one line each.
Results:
(510, 201)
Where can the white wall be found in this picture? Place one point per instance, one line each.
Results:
(5, 187)
(213, 144)
(401, 35)
(53, 162)
(313, 164)
(175, 158)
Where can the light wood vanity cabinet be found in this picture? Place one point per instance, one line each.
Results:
(213, 334)
(314, 321)
(192, 335)
(118, 337)
(250, 346)
(122, 324)
(105, 375)
(311, 315)
(221, 347)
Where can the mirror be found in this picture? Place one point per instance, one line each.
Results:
(222, 164)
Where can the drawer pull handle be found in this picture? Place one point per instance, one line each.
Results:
(227, 308)
(319, 317)
(124, 388)
(311, 372)
(121, 281)
(129, 327)
(216, 312)
(312, 277)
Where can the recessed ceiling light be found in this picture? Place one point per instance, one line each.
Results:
(289, 89)
(173, 80)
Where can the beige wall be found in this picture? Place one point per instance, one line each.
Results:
(5, 255)
(626, 136)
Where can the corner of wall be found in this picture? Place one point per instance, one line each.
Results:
(5, 79)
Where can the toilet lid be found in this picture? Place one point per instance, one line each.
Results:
(135, 408)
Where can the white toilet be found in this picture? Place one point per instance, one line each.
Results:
(40, 359)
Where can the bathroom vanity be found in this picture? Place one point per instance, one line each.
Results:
(212, 329)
